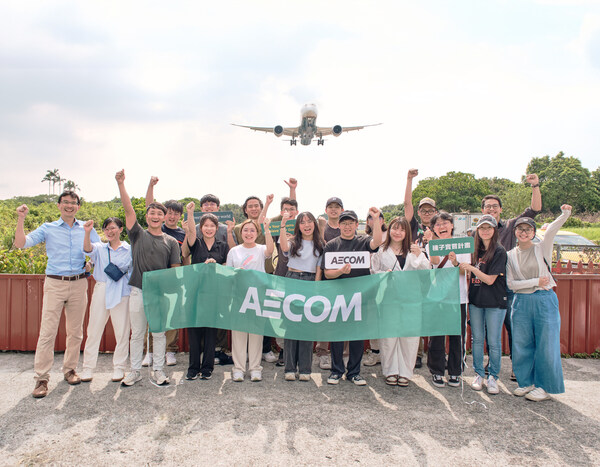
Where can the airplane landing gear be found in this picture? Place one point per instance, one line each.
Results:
(320, 141)
(292, 142)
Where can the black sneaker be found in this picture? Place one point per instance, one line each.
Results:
(437, 381)
(334, 378)
(206, 375)
(191, 374)
(358, 380)
(280, 361)
(453, 381)
(512, 376)
(418, 363)
(221, 358)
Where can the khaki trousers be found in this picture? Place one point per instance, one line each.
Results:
(245, 346)
(58, 294)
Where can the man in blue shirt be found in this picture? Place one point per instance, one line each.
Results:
(65, 287)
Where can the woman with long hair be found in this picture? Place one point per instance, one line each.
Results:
(246, 347)
(487, 301)
(398, 253)
(111, 296)
(205, 249)
(303, 250)
(535, 315)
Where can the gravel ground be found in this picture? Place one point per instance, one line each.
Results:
(276, 422)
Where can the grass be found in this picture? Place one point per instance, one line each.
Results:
(591, 233)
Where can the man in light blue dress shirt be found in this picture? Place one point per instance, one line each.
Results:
(65, 287)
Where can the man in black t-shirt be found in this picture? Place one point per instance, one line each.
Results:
(349, 241)
(420, 231)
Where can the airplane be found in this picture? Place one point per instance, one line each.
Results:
(308, 128)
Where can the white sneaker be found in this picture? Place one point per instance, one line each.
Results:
(477, 383)
(86, 375)
(371, 358)
(237, 376)
(132, 377)
(171, 360)
(537, 395)
(160, 377)
(290, 376)
(492, 385)
(269, 357)
(256, 375)
(304, 377)
(147, 361)
(325, 362)
(520, 392)
(118, 375)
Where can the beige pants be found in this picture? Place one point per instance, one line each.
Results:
(245, 346)
(172, 336)
(398, 355)
(72, 296)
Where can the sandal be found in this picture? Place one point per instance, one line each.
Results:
(391, 380)
(402, 381)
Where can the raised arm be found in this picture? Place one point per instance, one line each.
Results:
(268, 239)
(536, 194)
(377, 233)
(87, 243)
(190, 226)
(231, 241)
(409, 211)
(292, 183)
(130, 218)
(150, 191)
(263, 213)
(283, 240)
(551, 231)
(20, 232)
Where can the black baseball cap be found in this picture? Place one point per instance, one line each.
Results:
(525, 220)
(334, 199)
(348, 215)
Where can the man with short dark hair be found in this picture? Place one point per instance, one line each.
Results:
(349, 241)
(152, 250)
(65, 287)
(170, 227)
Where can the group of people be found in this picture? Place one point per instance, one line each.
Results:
(506, 281)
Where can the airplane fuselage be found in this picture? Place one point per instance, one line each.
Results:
(308, 124)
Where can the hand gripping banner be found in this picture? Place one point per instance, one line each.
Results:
(392, 304)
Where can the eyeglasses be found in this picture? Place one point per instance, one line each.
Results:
(110, 228)
(347, 223)
(525, 229)
(491, 206)
(427, 211)
(69, 203)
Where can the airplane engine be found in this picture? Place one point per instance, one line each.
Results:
(337, 130)
(278, 130)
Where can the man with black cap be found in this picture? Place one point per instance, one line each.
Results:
(349, 241)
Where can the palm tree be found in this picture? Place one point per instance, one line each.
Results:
(48, 178)
(55, 179)
(71, 185)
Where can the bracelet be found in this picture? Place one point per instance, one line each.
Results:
(535, 186)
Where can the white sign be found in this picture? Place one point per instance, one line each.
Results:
(357, 259)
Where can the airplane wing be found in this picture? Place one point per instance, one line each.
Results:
(293, 131)
(326, 131)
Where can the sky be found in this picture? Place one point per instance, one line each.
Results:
(153, 87)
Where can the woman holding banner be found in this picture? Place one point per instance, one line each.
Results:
(249, 255)
(303, 251)
(535, 314)
(206, 249)
(398, 253)
(487, 300)
(442, 225)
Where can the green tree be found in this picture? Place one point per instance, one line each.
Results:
(453, 192)
(71, 185)
(564, 180)
(392, 210)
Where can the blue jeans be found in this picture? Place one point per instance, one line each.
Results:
(536, 341)
(487, 321)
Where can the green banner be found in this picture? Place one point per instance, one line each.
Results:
(275, 227)
(222, 216)
(393, 304)
(458, 245)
